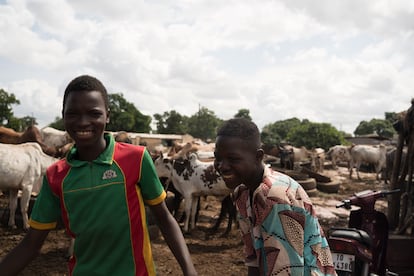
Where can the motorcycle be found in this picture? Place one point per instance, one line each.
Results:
(360, 249)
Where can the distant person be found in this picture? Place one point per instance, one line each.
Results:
(279, 228)
(99, 192)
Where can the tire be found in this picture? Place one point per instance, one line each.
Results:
(308, 184)
(329, 188)
(312, 192)
(293, 174)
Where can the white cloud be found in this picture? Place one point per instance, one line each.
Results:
(326, 61)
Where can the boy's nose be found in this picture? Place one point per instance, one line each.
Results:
(83, 120)
(221, 166)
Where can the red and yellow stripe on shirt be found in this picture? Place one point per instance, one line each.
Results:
(102, 206)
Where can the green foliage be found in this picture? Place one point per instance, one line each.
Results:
(15, 123)
(57, 124)
(125, 116)
(27, 121)
(7, 117)
(315, 135)
(243, 113)
(391, 116)
(275, 133)
(203, 124)
(6, 110)
(379, 126)
(171, 122)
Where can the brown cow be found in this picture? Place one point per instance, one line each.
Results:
(31, 134)
(123, 136)
(271, 150)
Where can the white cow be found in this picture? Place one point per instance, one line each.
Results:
(290, 156)
(192, 178)
(54, 137)
(339, 153)
(317, 159)
(21, 166)
(366, 154)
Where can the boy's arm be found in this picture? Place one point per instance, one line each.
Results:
(174, 237)
(23, 253)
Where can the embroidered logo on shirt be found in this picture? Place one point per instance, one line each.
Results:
(109, 174)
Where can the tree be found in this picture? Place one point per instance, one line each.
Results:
(58, 123)
(275, 133)
(171, 122)
(379, 126)
(315, 135)
(243, 113)
(125, 116)
(203, 124)
(6, 111)
(15, 123)
(27, 121)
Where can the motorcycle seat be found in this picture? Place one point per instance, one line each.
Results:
(352, 233)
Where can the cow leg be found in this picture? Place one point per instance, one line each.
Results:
(222, 215)
(24, 205)
(188, 203)
(334, 163)
(12, 207)
(193, 215)
(358, 165)
(321, 165)
(227, 208)
(350, 168)
(378, 170)
(231, 210)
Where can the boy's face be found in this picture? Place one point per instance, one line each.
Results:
(85, 117)
(238, 162)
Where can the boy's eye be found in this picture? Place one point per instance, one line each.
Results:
(96, 114)
(233, 157)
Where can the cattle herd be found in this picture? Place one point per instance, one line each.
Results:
(24, 157)
(186, 168)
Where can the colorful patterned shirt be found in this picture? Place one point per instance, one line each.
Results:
(280, 230)
(101, 204)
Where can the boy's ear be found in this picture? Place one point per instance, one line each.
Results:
(259, 154)
(107, 116)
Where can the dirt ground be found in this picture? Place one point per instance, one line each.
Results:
(211, 254)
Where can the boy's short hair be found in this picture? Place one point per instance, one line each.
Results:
(241, 128)
(86, 83)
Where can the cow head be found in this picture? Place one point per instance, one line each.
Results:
(286, 157)
(163, 166)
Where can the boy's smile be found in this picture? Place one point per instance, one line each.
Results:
(85, 117)
(84, 134)
(238, 162)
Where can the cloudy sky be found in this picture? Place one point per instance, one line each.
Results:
(331, 61)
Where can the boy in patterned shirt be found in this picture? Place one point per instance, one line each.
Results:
(279, 228)
(99, 191)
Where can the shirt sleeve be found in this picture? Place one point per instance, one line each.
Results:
(46, 210)
(245, 227)
(318, 257)
(288, 236)
(152, 190)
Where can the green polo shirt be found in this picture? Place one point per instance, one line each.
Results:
(102, 206)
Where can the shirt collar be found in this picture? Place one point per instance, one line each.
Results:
(239, 189)
(106, 157)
